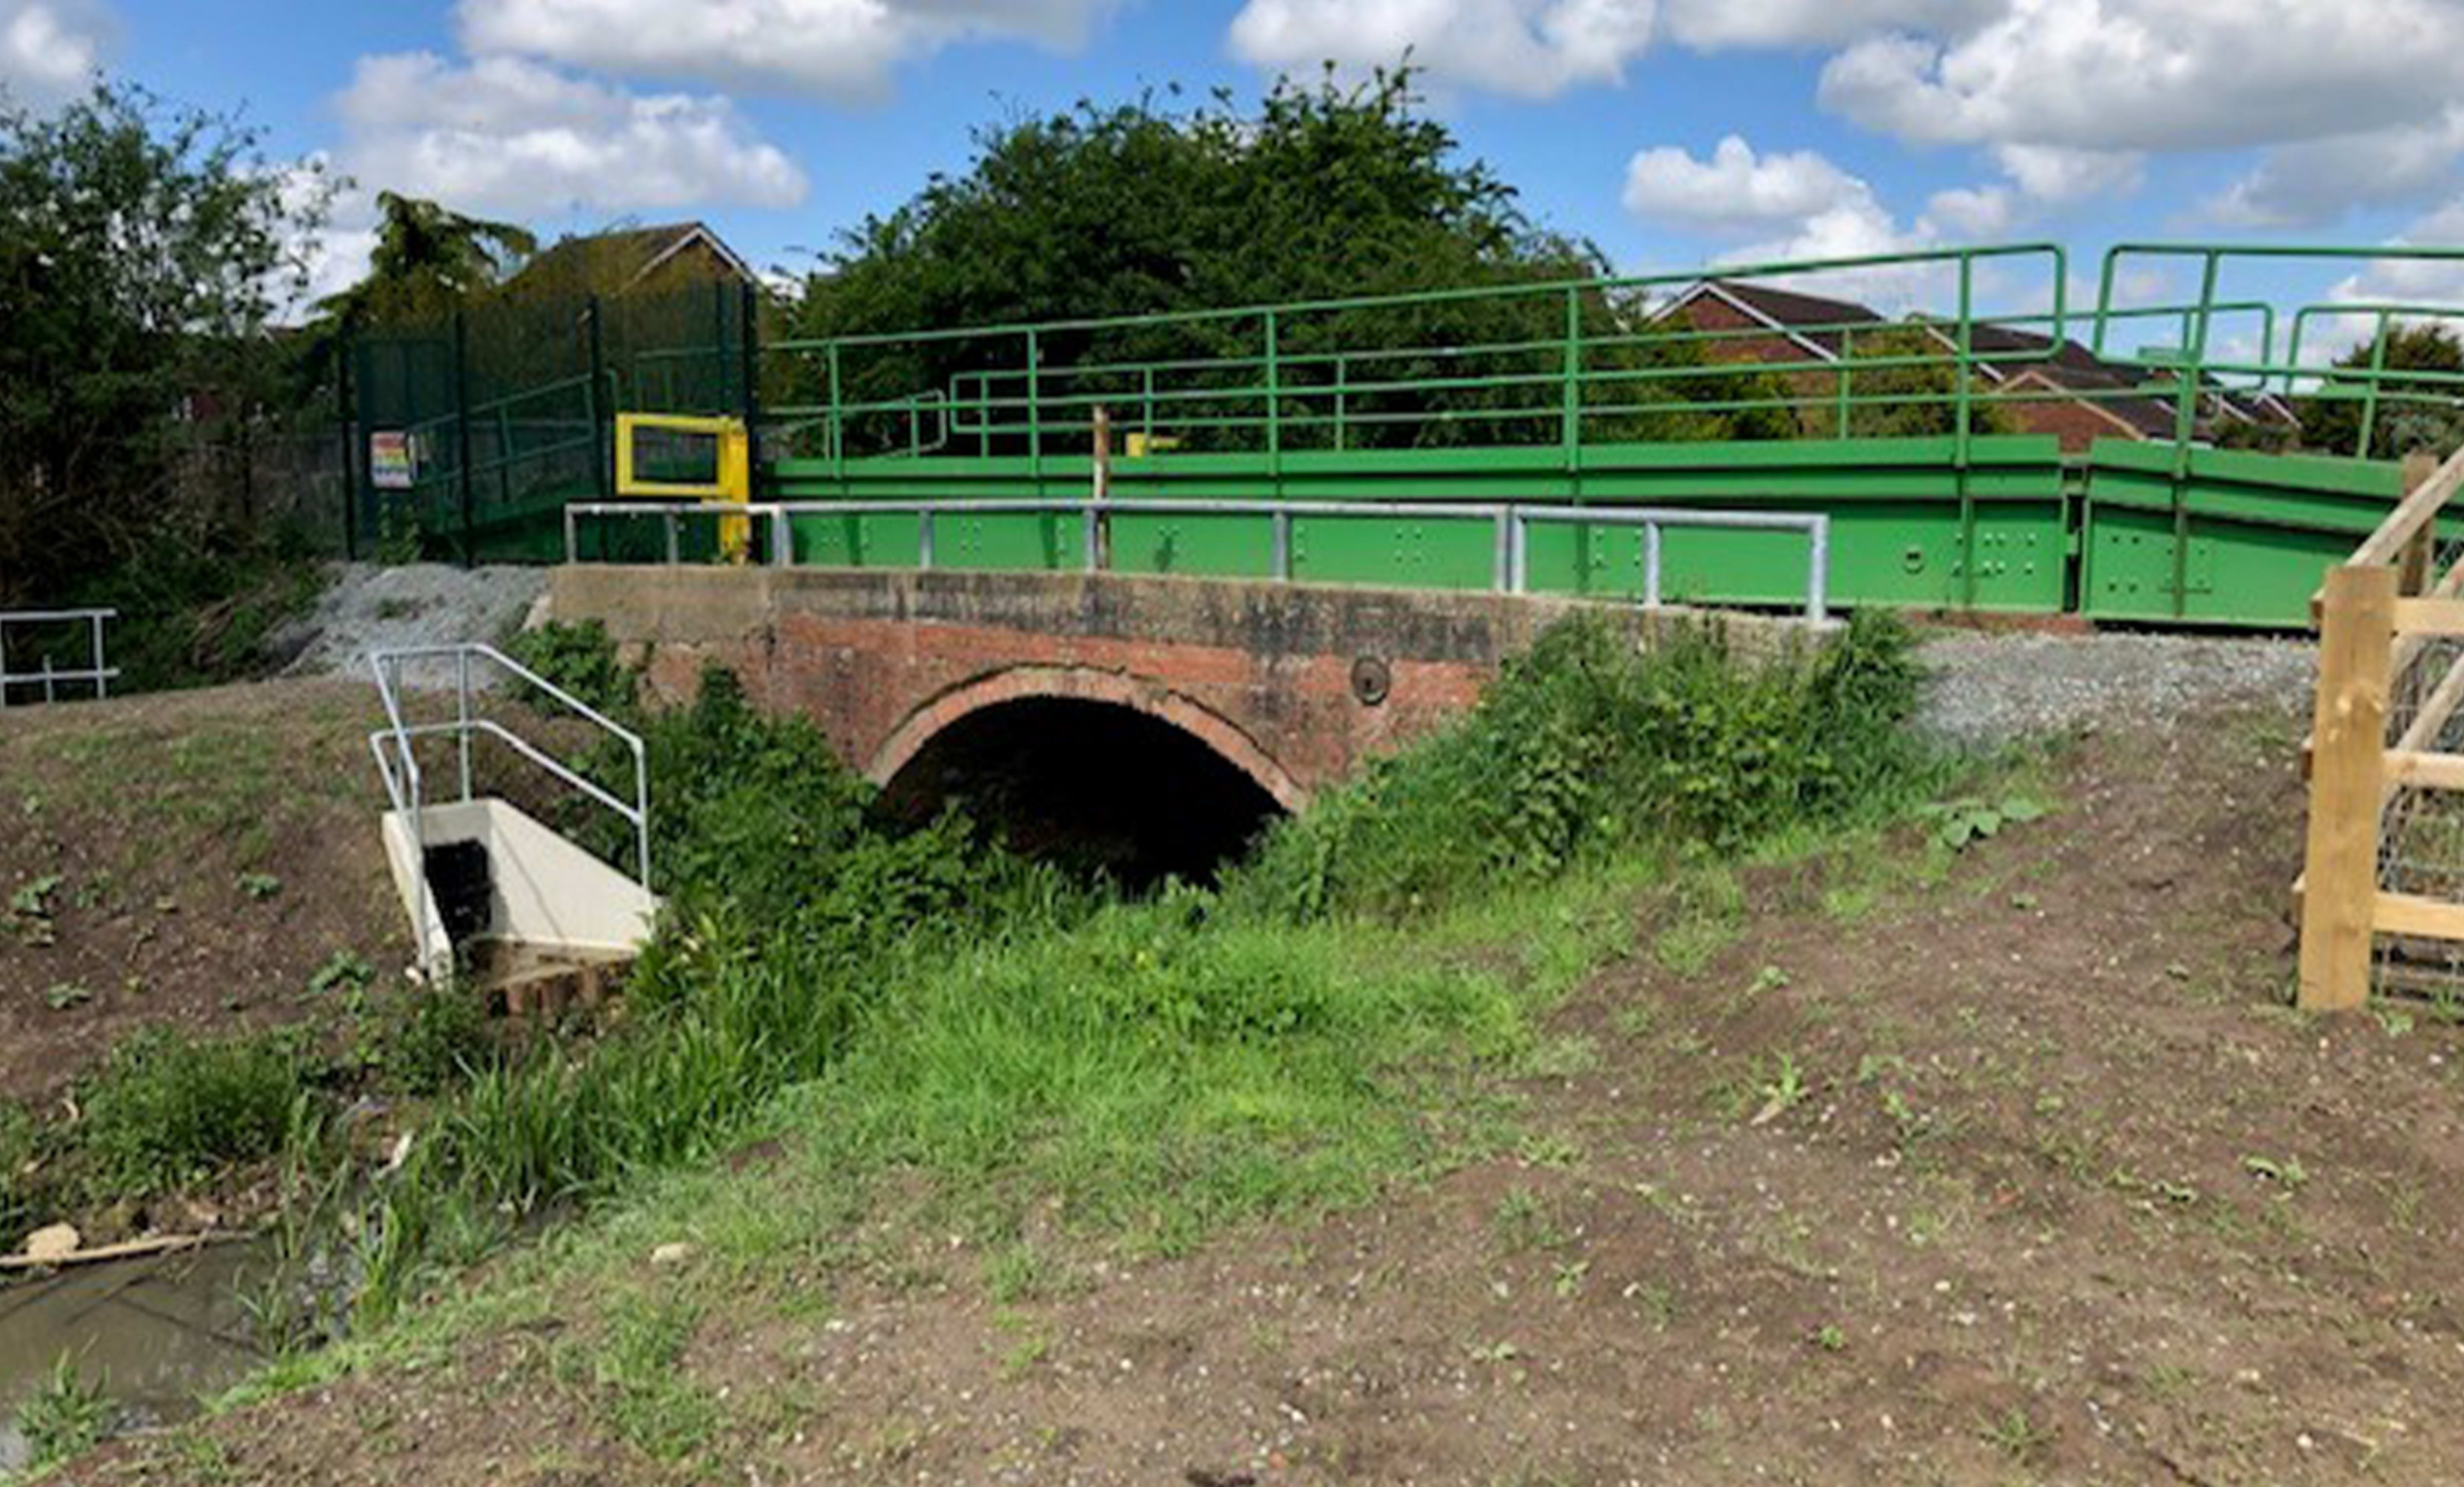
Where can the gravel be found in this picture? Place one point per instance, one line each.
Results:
(1990, 689)
(368, 608)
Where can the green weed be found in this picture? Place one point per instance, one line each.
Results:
(65, 1416)
(636, 1368)
(1588, 747)
(578, 657)
(163, 1109)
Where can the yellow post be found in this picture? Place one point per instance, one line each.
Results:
(2340, 885)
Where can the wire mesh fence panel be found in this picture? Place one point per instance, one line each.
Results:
(471, 433)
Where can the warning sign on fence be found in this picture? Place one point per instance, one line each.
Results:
(391, 464)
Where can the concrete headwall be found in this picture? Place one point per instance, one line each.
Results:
(1296, 684)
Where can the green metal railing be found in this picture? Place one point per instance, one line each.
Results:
(1602, 360)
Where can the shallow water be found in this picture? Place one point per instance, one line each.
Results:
(158, 1332)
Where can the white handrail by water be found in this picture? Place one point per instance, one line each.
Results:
(405, 783)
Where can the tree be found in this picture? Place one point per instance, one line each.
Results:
(142, 250)
(1327, 192)
(1914, 395)
(2420, 398)
(427, 260)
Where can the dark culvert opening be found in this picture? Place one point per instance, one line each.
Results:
(1093, 786)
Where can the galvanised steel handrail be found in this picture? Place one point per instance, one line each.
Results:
(405, 783)
(95, 673)
(1511, 522)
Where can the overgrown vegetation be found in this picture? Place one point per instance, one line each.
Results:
(164, 1110)
(144, 249)
(1586, 749)
(921, 1001)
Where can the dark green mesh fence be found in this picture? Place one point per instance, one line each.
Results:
(472, 434)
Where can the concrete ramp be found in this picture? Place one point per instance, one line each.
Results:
(475, 872)
(535, 888)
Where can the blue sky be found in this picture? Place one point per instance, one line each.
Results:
(1673, 133)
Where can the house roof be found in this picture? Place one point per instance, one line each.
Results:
(1809, 318)
(2131, 396)
(2113, 391)
(615, 261)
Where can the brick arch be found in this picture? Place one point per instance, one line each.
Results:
(1085, 683)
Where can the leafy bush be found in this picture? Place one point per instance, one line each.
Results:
(164, 1109)
(1588, 745)
(434, 1038)
(579, 658)
(194, 613)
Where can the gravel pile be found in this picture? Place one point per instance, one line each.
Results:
(1991, 689)
(368, 607)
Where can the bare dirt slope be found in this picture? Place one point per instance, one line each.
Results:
(187, 858)
(2020, 1173)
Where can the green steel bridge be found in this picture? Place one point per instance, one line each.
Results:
(1943, 447)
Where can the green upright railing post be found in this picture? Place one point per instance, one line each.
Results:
(2186, 428)
(1035, 412)
(1274, 406)
(345, 355)
(1342, 374)
(836, 426)
(1847, 353)
(2370, 394)
(462, 435)
(603, 470)
(1962, 409)
(1570, 432)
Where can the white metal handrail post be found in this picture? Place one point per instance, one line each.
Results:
(405, 790)
(462, 715)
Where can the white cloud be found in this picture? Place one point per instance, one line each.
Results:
(1791, 207)
(515, 137)
(2156, 75)
(2058, 173)
(2418, 280)
(2316, 182)
(51, 50)
(1975, 212)
(1522, 48)
(1711, 23)
(842, 50)
(1736, 188)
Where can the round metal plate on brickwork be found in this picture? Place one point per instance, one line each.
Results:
(1370, 680)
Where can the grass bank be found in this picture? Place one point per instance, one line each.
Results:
(920, 1019)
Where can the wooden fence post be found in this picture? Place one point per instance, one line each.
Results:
(2340, 889)
(2413, 567)
(1102, 490)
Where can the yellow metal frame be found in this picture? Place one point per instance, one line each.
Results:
(733, 487)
